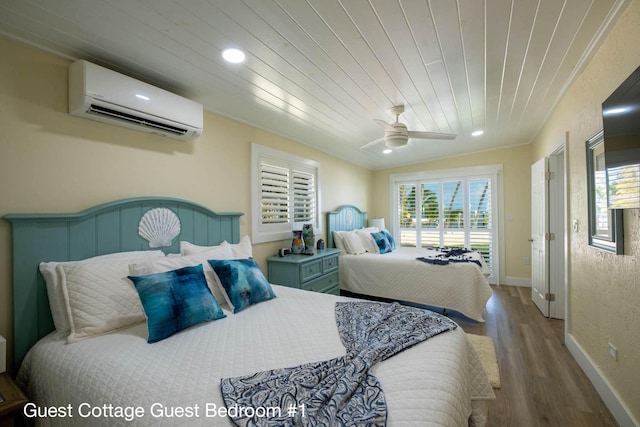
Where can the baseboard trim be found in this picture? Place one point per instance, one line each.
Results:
(618, 409)
(524, 282)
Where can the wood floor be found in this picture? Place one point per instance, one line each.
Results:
(542, 385)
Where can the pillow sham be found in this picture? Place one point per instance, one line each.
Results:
(382, 242)
(389, 237)
(352, 243)
(187, 248)
(243, 282)
(176, 300)
(367, 239)
(337, 240)
(243, 249)
(98, 298)
(53, 282)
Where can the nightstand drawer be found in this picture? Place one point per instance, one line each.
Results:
(323, 284)
(310, 270)
(330, 264)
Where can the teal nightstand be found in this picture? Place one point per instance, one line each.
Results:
(318, 272)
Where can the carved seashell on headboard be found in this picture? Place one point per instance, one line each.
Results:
(159, 227)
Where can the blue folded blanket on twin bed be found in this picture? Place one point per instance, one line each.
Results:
(340, 391)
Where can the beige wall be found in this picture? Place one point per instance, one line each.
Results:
(53, 162)
(516, 163)
(604, 289)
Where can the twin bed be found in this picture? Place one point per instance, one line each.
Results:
(113, 376)
(400, 275)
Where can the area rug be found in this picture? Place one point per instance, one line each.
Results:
(487, 353)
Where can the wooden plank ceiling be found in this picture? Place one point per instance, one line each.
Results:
(320, 71)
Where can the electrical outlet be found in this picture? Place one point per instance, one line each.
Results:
(525, 260)
(613, 352)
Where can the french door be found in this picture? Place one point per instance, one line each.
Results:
(449, 212)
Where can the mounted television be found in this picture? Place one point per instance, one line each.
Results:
(621, 122)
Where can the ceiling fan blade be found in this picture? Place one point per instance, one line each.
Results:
(431, 135)
(385, 125)
(374, 142)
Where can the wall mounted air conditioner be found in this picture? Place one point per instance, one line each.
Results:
(101, 94)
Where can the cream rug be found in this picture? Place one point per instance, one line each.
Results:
(487, 352)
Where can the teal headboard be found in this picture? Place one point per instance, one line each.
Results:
(345, 218)
(103, 229)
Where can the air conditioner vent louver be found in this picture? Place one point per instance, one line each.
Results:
(103, 111)
(101, 94)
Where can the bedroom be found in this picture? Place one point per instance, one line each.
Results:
(52, 162)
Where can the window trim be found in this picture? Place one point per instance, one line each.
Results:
(614, 242)
(495, 171)
(282, 159)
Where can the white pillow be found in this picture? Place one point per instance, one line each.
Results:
(54, 288)
(243, 249)
(187, 248)
(173, 263)
(99, 298)
(352, 243)
(367, 239)
(337, 240)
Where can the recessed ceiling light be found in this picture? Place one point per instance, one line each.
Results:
(235, 56)
(477, 133)
(387, 151)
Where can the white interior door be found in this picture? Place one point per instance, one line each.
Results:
(557, 230)
(539, 233)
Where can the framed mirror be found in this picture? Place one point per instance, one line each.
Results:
(605, 225)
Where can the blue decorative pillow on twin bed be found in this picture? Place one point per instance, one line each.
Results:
(382, 242)
(243, 282)
(175, 300)
(390, 239)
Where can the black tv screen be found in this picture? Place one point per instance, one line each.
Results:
(621, 122)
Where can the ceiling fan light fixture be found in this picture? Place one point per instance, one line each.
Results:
(395, 141)
(477, 133)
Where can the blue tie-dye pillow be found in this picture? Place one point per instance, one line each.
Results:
(392, 242)
(382, 242)
(243, 282)
(175, 300)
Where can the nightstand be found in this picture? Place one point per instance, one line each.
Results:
(317, 272)
(14, 400)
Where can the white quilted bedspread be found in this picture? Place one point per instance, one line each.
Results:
(398, 275)
(431, 384)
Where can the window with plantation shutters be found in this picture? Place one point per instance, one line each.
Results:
(453, 209)
(285, 194)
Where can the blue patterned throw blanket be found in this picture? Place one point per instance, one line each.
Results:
(450, 255)
(340, 391)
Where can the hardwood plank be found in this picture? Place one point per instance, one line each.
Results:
(541, 382)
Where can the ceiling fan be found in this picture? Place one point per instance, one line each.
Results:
(397, 135)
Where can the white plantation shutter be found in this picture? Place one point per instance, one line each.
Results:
(274, 185)
(304, 197)
(481, 233)
(285, 194)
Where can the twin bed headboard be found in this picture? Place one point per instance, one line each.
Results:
(345, 218)
(103, 229)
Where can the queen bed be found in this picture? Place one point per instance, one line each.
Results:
(416, 275)
(107, 371)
